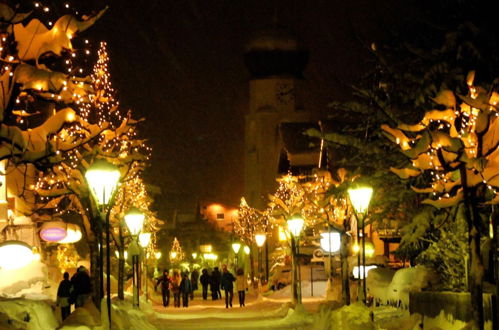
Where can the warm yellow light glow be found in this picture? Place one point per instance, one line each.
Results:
(173, 255)
(356, 274)
(295, 224)
(15, 254)
(282, 234)
(157, 254)
(260, 239)
(331, 242)
(73, 234)
(236, 247)
(134, 220)
(206, 248)
(360, 198)
(247, 249)
(70, 116)
(210, 256)
(369, 249)
(102, 178)
(194, 255)
(144, 239)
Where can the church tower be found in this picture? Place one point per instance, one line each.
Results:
(275, 61)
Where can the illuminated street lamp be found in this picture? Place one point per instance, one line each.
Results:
(360, 198)
(246, 250)
(295, 226)
(102, 178)
(157, 255)
(194, 255)
(144, 239)
(236, 247)
(15, 254)
(134, 220)
(260, 239)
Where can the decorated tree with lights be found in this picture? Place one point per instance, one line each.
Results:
(458, 148)
(117, 143)
(176, 252)
(249, 221)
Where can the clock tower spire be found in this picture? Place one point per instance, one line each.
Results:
(275, 60)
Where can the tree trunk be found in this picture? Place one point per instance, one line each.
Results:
(345, 281)
(476, 267)
(95, 272)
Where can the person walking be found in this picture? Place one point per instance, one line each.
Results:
(216, 277)
(175, 287)
(205, 281)
(227, 283)
(64, 292)
(185, 289)
(194, 281)
(82, 287)
(241, 286)
(164, 280)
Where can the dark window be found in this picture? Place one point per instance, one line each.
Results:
(220, 216)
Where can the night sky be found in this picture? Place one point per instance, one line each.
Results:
(180, 65)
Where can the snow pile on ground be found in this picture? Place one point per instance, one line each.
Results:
(15, 282)
(353, 317)
(377, 283)
(388, 287)
(26, 314)
(318, 290)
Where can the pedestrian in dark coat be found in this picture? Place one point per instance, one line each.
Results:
(185, 289)
(164, 280)
(205, 281)
(64, 295)
(82, 287)
(227, 283)
(194, 281)
(216, 276)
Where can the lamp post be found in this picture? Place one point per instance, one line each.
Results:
(134, 220)
(260, 239)
(102, 177)
(360, 198)
(295, 226)
(144, 239)
(236, 247)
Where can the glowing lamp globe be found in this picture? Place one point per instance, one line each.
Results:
(157, 254)
(73, 234)
(53, 231)
(144, 239)
(15, 254)
(102, 178)
(358, 273)
(360, 198)
(331, 242)
(134, 220)
(247, 249)
(194, 255)
(295, 224)
(236, 247)
(260, 239)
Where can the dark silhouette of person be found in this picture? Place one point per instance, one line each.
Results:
(64, 295)
(241, 286)
(194, 281)
(227, 283)
(216, 277)
(175, 287)
(185, 289)
(164, 280)
(82, 286)
(205, 281)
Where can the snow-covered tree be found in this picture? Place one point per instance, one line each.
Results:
(458, 148)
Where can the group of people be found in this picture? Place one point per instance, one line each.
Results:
(75, 291)
(180, 286)
(183, 287)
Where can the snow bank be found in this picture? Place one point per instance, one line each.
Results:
(26, 314)
(14, 281)
(353, 317)
(387, 286)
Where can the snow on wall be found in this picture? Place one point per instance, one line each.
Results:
(399, 285)
(14, 281)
